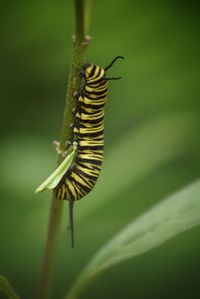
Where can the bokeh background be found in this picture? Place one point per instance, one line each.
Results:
(152, 124)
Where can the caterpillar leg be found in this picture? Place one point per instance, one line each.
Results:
(74, 110)
(68, 143)
(76, 94)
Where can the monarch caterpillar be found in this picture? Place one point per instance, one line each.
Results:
(88, 139)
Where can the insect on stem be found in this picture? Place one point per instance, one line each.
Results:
(81, 175)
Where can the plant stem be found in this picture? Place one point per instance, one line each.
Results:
(45, 281)
(88, 14)
(80, 42)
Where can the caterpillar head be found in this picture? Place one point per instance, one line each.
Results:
(92, 72)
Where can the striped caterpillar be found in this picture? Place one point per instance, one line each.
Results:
(88, 141)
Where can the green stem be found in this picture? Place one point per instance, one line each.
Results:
(80, 42)
(78, 57)
(45, 281)
(88, 14)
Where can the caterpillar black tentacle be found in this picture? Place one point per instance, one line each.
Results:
(88, 130)
(109, 66)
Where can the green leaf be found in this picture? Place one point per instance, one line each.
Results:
(176, 214)
(6, 288)
(52, 181)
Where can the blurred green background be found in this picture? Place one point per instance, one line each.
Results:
(151, 135)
